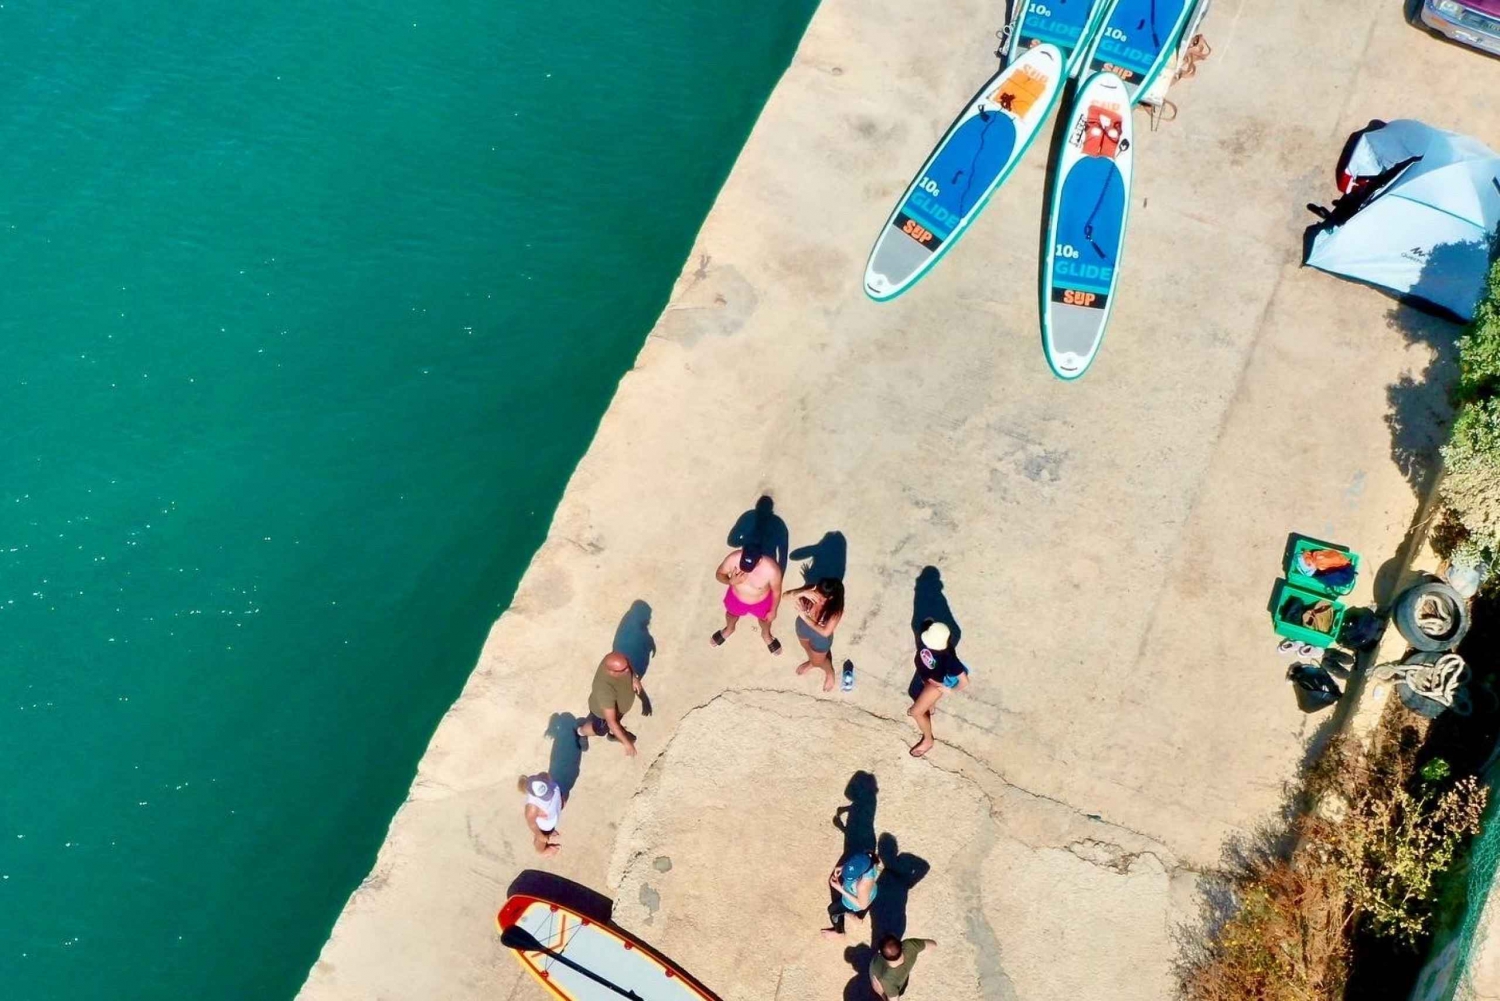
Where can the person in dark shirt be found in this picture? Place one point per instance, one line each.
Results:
(940, 670)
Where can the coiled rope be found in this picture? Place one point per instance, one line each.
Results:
(1440, 681)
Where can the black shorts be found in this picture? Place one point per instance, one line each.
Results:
(597, 724)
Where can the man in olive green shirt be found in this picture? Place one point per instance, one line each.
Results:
(614, 692)
(891, 967)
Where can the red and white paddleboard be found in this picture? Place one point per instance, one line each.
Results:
(579, 959)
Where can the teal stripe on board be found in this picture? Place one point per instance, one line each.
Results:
(308, 312)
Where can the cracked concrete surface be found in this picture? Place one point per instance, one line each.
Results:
(776, 764)
(1108, 546)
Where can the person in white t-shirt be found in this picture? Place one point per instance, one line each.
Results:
(544, 803)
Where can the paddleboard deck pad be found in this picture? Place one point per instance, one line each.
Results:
(970, 163)
(1086, 228)
(621, 965)
(1068, 24)
(1138, 40)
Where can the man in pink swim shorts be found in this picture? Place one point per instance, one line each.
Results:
(754, 581)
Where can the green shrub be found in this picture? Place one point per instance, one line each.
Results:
(1471, 487)
(1479, 347)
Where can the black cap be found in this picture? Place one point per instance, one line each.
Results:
(749, 557)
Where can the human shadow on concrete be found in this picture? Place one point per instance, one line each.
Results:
(856, 818)
(828, 557)
(566, 759)
(903, 871)
(929, 604)
(858, 988)
(633, 637)
(575, 896)
(762, 526)
(856, 821)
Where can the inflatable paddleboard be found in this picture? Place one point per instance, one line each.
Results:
(972, 161)
(1086, 230)
(580, 959)
(1138, 39)
(1068, 24)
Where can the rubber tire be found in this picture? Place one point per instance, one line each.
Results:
(1405, 617)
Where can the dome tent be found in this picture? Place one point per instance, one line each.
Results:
(1420, 218)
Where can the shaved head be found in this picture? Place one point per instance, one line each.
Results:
(616, 662)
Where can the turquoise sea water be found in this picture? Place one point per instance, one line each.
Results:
(307, 312)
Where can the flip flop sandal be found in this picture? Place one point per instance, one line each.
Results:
(774, 646)
(717, 639)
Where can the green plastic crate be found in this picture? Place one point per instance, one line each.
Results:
(1296, 630)
(1302, 543)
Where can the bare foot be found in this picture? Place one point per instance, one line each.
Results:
(830, 933)
(551, 850)
(923, 746)
(802, 668)
(828, 681)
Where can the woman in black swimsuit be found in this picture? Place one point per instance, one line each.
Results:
(820, 606)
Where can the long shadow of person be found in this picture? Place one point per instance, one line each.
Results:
(828, 557)
(928, 605)
(566, 757)
(903, 871)
(762, 526)
(633, 637)
(856, 819)
(858, 988)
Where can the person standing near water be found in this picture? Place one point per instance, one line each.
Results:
(820, 606)
(890, 970)
(853, 882)
(754, 581)
(940, 670)
(614, 692)
(544, 803)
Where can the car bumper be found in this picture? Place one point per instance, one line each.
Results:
(1464, 34)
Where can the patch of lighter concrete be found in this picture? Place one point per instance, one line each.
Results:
(742, 801)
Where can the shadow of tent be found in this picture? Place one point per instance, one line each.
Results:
(1419, 408)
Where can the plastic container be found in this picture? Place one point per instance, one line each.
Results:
(1302, 544)
(1295, 630)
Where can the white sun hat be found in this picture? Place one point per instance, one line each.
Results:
(936, 636)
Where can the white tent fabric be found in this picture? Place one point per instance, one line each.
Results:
(1428, 233)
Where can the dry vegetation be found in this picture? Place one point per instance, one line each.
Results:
(1366, 853)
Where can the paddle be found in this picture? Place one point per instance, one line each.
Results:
(518, 938)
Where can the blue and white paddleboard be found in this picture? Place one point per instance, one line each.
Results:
(1086, 228)
(1068, 24)
(976, 156)
(1138, 40)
